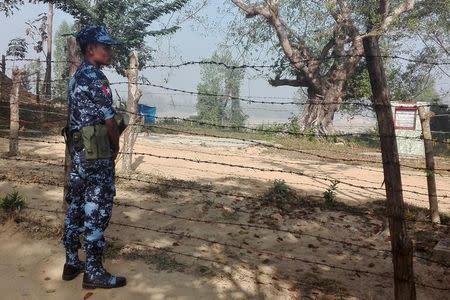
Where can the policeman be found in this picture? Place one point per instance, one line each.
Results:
(93, 138)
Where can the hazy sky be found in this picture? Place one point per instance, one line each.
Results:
(192, 42)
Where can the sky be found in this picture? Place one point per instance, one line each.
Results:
(194, 41)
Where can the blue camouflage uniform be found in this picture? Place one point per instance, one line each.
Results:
(91, 183)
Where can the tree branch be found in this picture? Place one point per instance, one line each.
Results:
(252, 10)
(299, 81)
(283, 82)
(384, 8)
(346, 60)
(389, 18)
(298, 55)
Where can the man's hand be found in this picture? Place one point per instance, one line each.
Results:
(114, 135)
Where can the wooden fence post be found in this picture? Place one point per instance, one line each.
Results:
(41, 117)
(134, 94)
(2, 86)
(74, 60)
(17, 75)
(425, 118)
(401, 245)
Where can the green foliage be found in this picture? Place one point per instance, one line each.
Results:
(412, 82)
(282, 196)
(406, 82)
(311, 135)
(217, 80)
(440, 127)
(29, 80)
(291, 126)
(17, 47)
(61, 68)
(358, 86)
(330, 194)
(10, 6)
(37, 31)
(12, 202)
(128, 21)
(422, 34)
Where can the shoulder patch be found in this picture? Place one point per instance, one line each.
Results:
(105, 88)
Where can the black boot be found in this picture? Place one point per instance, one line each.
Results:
(71, 271)
(97, 277)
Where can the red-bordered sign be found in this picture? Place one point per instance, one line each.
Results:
(405, 117)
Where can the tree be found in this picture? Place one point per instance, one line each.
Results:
(17, 47)
(48, 56)
(413, 81)
(318, 45)
(319, 48)
(36, 31)
(61, 67)
(223, 109)
(209, 108)
(29, 79)
(129, 21)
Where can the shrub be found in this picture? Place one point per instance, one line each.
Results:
(12, 202)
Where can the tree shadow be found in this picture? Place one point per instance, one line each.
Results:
(203, 238)
(137, 162)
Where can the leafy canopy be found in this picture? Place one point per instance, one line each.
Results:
(128, 21)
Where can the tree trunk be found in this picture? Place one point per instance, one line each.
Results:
(134, 94)
(401, 245)
(319, 113)
(48, 67)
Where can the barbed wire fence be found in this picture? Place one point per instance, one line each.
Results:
(59, 116)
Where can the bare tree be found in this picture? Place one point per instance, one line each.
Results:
(321, 67)
(324, 84)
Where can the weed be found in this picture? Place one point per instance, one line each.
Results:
(12, 202)
(281, 196)
(330, 194)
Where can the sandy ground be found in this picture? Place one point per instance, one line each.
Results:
(192, 240)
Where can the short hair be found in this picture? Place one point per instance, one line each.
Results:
(84, 46)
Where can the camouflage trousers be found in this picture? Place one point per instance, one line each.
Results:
(91, 190)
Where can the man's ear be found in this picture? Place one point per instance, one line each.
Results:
(89, 49)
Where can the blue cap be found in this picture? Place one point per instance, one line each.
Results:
(95, 34)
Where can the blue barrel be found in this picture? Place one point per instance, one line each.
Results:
(149, 113)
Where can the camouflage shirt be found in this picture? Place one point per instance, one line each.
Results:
(89, 97)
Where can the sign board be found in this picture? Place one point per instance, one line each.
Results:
(405, 118)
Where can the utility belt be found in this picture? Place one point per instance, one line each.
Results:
(93, 139)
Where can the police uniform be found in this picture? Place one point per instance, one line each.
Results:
(91, 183)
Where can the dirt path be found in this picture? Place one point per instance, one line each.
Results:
(31, 269)
(179, 232)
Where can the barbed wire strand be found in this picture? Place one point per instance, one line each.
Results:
(281, 256)
(247, 197)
